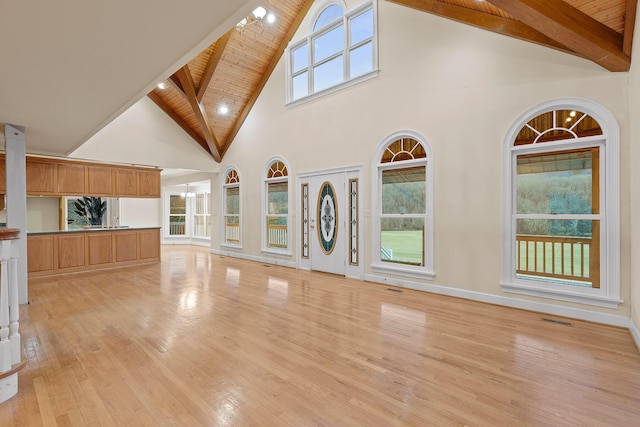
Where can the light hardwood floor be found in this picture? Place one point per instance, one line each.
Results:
(204, 340)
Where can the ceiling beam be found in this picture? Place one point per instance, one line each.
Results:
(179, 120)
(486, 21)
(186, 80)
(569, 26)
(304, 9)
(214, 59)
(629, 25)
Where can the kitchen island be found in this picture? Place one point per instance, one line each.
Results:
(51, 253)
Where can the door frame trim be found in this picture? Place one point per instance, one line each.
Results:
(351, 172)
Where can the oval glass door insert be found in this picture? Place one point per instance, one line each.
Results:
(327, 217)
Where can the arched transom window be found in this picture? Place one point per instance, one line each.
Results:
(560, 207)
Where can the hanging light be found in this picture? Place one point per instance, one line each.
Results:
(256, 16)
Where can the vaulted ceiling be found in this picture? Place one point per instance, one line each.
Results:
(233, 71)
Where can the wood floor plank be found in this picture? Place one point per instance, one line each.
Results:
(200, 339)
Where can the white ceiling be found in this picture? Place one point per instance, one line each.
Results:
(68, 68)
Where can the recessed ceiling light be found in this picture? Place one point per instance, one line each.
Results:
(223, 109)
(162, 85)
(271, 18)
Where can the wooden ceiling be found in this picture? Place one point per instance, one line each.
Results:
(233, 71)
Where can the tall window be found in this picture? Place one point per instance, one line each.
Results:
(341, 49)
(177, 215)
(231, 207)
(276, 207)
(403, 216)
(201, 215)
(561, 204)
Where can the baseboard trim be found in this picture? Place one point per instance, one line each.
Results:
(574, 313)
(264, 260)
(635, 333)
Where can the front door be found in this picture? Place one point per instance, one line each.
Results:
(328, 219)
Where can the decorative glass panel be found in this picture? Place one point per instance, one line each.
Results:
(327, 218)
(305, 221)
(328, 74)
(353, 221)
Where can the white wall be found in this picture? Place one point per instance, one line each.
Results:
(43, 213)
(462, 88)
(140, 212)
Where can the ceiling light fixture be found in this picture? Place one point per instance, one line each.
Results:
(223, 109)
(256, 16)
(162, 85)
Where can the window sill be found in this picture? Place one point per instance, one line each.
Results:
(364, 77)
(562, 295)
(416, 273)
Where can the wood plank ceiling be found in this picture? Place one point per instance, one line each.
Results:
(233, 71)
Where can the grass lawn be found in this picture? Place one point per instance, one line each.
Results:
(406, 245)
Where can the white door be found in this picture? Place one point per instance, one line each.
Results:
(328, 218)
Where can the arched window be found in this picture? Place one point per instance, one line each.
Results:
(341, 50)
(327, 16)
(403, 213)
(562, 204)
(231, 208)
(276, 207)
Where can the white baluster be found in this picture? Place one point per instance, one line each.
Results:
(14, 307)
(5, 344)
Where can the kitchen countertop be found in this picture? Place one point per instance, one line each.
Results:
(93, 230)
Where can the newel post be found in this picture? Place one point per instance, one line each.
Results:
(10, 354)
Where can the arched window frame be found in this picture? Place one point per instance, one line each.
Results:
(226, 186)
(424, 271)
(608, 295)
(266, 247)
(307, 40)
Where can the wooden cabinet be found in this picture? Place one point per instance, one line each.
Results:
(149, 244)
(71, 179)
(58, 177)
(100, 181)
(100, 248)
(126, 246)
(71, 249)
(126, 182)
(41, 251)
(148, 183)
(51, 254)
(41, 177)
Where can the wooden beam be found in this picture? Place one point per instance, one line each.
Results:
(486, 21)
(175, 82)
(179, 120)
(629, 25)
(186, 80)
(569, 26)
(214, 59)
(267, 73)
